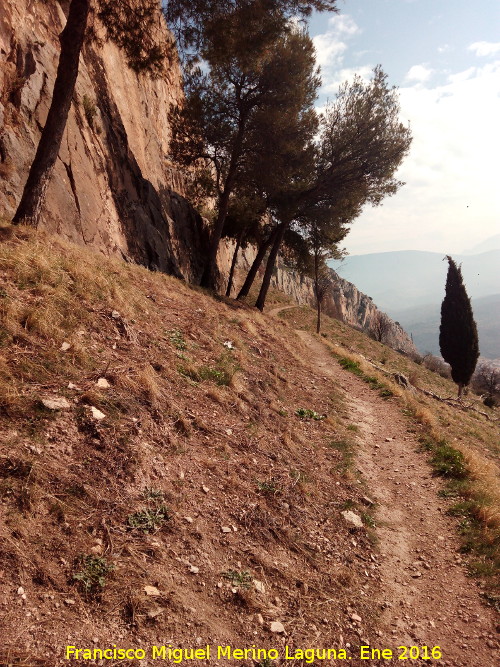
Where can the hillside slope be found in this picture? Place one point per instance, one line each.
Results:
(174, 469)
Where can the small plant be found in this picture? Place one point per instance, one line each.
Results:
(217, 375)
(152, 494)
(368, 520)
(386, 393)
(373, 382)
(298, 476)
(92, 575)
(268, 487)
(241, 579)
(90, 110)
(149, 520)
(353, 427)
(221, 373)
(348, 505)
(464, 508)
(350, 365)
(448, 462)
(306, 413)
(347, 450)
(176, 337)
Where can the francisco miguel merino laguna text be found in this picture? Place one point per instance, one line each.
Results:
(179, 655)
(309, 655)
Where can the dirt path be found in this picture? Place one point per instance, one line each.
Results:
(428, 599)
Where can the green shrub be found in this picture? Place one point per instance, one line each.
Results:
(306, 413)
(92, 575)
(221, 372)
(268, 487)
(350, 365)
(241, 579)
(386, 393)
(149, 520)
(220, 376)
(177, 339)
(449, 462)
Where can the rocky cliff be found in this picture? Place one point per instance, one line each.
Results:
(113, 187)
(344, 301)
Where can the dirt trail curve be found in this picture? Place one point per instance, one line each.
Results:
(429, 600)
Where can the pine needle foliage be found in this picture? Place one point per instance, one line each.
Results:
(189, 19)
(251, 104)
(458, 339)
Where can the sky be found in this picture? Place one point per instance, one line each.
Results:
(444, 57)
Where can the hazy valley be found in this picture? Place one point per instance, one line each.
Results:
(409, 286)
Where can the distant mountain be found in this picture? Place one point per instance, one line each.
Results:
(493, 243)
(408, 278)
(409, 286)
(422, 322)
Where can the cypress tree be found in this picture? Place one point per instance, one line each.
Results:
(458, 338)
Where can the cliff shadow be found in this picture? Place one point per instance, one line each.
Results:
(162, 229)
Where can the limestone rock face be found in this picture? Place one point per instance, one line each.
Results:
(113, 187)
(344, 301)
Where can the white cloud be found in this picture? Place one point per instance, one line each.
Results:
(462, 76)
(328, 51)
(331, 46)
(444, 48)
(419, 73)
(482, 49)
(343, 24)
(451, 197)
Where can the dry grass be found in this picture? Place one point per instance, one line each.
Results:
(203, 438)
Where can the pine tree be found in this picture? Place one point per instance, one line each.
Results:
(258, 84)
(360, 146)
(190, 19)
(458, 338)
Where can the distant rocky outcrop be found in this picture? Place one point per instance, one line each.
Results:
(343, 302)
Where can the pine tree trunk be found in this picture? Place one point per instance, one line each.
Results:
(233, 263)
(271, 261)
(210, 276)
(316, 289)
(263, 248)
(71, 38)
